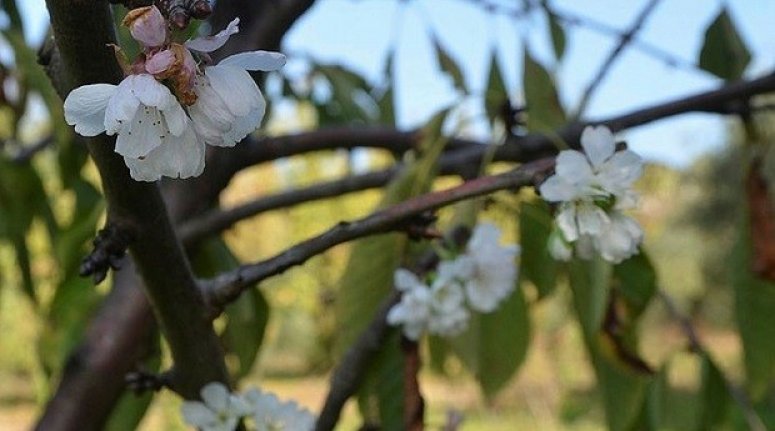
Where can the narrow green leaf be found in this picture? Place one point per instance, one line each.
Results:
(636, 280)
(622, 387)
(544, 110)
(496, 96)
(724, 52)
(368, 276)
(495, 344)
(754, 305)
(537, 265)
(449, 66)
(556, 32)
(349, 91)
(714, 396)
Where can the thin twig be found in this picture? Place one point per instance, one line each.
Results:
(228, 286)
(755, 423)
(624, 40)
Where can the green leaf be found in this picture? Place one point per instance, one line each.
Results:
(449, 66)
(545, 112)
(69, 312)
(724, 52)
(72, 241)
(246, 317)
(623, 388)
(590, 280)
(244, 332)
(495, 97)
(556, 31)
(368, 276)
(636, 280)
(349, 95)
(537, 265)
(495, 344)
(754, 305)
(714, 396)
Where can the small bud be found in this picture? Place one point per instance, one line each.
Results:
(201, 9)
(179, 18)
(147, 26)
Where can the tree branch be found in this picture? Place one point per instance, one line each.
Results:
(624, 40)
(347, 377)
(228, 286)
(82, 31)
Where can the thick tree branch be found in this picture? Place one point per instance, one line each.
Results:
(228, 286)
(84, 398)
(625, 39)
(82, 31)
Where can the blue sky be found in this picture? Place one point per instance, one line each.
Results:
(359, 33)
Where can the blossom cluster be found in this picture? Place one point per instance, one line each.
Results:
(172, 102)
(479, 279)
(221, 410)
(593, 188)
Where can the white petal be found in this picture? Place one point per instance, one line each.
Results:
(479, 296)
(210, 107)
(559, 248)
(620, 171)
(175, 117)
(592, 220)
(211, 43)
(566, 221)
(121, 108)
(216, 396)
(142, 135)
(143, 169)
(180, 156)
(405, 280)
(243, 126)
(598, 143)
(256, 60)
(196, 414)
(149, 91)
(236, 88)
(573, 167)
(484, 236)
(557, 189)
(85, 108)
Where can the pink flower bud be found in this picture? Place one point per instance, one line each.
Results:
(147, 26)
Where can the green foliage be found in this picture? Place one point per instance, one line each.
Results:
(754, 305)
(350, 100)
(496, 97)
(246, 317)
(620, 375)
(368, 279)
(449, 66)
(495, 344)
(545, 112)
(131, 408)
(556, 31)
(724, 52)
(536, 264)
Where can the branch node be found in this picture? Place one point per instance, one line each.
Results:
(110, 247)
(419, 227)
(141, 381)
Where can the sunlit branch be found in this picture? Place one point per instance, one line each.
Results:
(228, 286)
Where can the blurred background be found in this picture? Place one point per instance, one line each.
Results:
(399, 62)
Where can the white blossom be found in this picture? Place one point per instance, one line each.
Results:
(270, 414)
(448, 316)
(229, 104)
(148, 119)
(219, 409)
(592, 187)
(414, 309)
(488, 270)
